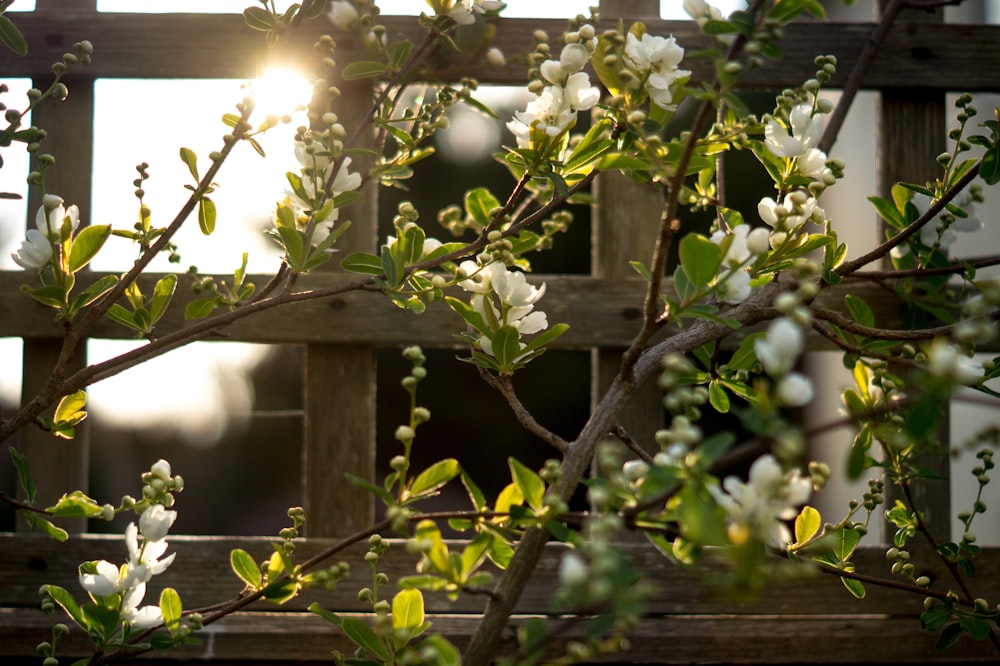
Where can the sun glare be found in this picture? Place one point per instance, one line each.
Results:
(281, 91)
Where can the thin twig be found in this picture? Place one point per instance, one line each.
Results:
(505, 386)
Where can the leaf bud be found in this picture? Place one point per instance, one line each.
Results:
(382, 606)
(421, 414)
(365, 595)
(922, 581)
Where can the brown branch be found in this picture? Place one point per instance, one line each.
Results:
(857, 76)
(825, 331)
(850, 267)
(621, 434)
(953, 268)
(852, 326)
(505, 385)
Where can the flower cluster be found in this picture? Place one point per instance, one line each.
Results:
(733, 282)
(796, 139)
(307, 197)
(757, 506)
(495, 285)
(778, 351)
(50, 221)
(126, 585)
(789, 214)
(940, 232)
(463, 12)
(654, 60)
(566, 92)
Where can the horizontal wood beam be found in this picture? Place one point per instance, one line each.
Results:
(940, 57)
(600, 313)
(812, 616)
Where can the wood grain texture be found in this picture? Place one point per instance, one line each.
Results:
(683, 614)
(221, 46)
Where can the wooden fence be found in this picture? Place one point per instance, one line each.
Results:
(817, 621)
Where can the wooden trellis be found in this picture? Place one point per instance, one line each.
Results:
(919, 62)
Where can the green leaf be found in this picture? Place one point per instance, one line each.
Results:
(363, 70)
(259, 18)
(846, 541)
(887, 211)
(506, 347)
(807, 524)
(434, 477)
(53, 532)
(478, 204)
(948, 637)
(935, 618)
(86, 245)
(68, 604)
(399, 52)
(860, 311)
(189, 158)
(245, 567)
(530, 485)
(53, 296)
(312, 8)
(364, 483)
(745, 356)
(853, 586)
(70, 405)
(989, 168)
(12, 37)
(94, 291)
(445, 653)
(364, 637)
(23, 475)
(76, 505)
(206, 216)
(408, 609)
(718, 397)
(857, 461)
(162, 293)
(199, 308)
(545, 337)
(171, 609)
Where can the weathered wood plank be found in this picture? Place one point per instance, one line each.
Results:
(600, 313)
(201, 574)
(804, 621)
(249, 638)
(911, 133)
(221, 46)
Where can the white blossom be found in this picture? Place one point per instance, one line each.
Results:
(635, 469)
(35, 251)
(161, 469)
(155, 522)
(146, 617)
(780, 347)
(495, 57)
(944, 360)
(768, 497)
(794, 390)
(343, 14)
(655, 59)
(106, 581)
(735, 288)
(573, 569)
(800, 136)
(463, 12)
(812, 163)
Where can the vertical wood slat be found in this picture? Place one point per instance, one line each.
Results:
(911, 132)
(625, 227)
(340, 387)
(57, 465)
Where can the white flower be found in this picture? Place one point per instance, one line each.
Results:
(35, 251)
(757, 241)
(513, 293)
(673, 454)
(106, 581)
(939, 232)
(769, 496)
(572, 59)
(701, 11)
(144, 562)
(573, 569)
(477, 277)
(464, 11)
(794, 390)
(804, 129)
(945, 361)
(780, 347)
(794, 210)
(812, 163)
(146, 617)
(155, 522)
(735, 288)
(550, 112)
(656, 60)
(343, 14)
